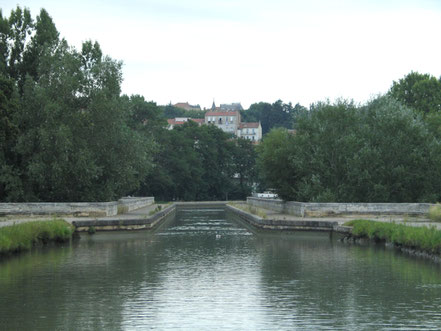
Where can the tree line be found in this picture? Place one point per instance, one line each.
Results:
(67, 134)
(388, 150)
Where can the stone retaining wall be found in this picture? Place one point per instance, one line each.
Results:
(132, 203)
(310, 209)
(284, 225)
(60, 208)
(86, 209)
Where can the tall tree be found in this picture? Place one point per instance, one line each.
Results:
(68, 135)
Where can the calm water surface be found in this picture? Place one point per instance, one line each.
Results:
(205, 271)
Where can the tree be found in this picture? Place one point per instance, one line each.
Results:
(67, 134)
(200, 163)
(421, 92)
(379, 152)
(245, 170)
(276, 115)
(278, 171)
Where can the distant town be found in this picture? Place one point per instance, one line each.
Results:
(226, 117)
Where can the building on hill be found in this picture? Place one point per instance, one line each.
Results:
(251, 131)
(231, 107)
(172, 122)
(226, 121)
(187, 106)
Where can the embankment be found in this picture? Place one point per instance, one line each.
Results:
(22, 237)
(419, 241)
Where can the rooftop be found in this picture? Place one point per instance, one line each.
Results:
(221, 113)
(249, 125)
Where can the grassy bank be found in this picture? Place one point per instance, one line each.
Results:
(422, 238)
(24, 236)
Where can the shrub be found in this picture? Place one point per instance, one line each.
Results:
(435, 213)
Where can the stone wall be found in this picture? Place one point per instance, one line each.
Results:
(86, 209)
(60, 208)
(310, 209)
(283, 224)
(131, 203)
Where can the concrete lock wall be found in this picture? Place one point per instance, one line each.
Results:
(311, 209)
(87, 209)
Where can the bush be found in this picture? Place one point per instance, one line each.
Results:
(435, 213)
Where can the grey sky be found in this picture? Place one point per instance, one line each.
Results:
(250, 51)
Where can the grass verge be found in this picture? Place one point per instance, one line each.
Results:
(422, 238)
(24, 236)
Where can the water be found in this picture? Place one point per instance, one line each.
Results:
(205, 272)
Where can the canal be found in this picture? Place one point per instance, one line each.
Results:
(203, 270)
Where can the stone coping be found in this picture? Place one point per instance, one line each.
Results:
(78, 209)
(311, 209)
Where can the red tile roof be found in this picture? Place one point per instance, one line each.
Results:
(173, 121)
(249, 125)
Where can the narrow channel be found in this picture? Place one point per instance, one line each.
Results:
(204, 270)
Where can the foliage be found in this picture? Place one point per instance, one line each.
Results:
(380, 152)
(200, 163)
(435, 213)
(170, 111)
(66, 133)
(274, 115)
(424, 238)
(421, 92)
(23, 236)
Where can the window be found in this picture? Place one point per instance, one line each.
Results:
(220, 120)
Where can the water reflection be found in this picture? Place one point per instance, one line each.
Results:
(204, 271)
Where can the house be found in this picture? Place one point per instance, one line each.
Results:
(172, 122)
(251, 131)
(231, 107)
(227, 121)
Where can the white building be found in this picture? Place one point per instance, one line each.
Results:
(251, 131)
(228, 121)
(172, 122)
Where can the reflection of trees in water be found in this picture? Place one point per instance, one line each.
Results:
(83, 287)
(327, 282)
(100, 280)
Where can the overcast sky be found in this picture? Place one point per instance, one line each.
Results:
(255, 50)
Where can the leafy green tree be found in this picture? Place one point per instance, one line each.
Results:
(200, 163)
(379, 152)
(67, 133)
(421, 92)
(275, 165)
(244, 167)
(276, 115)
